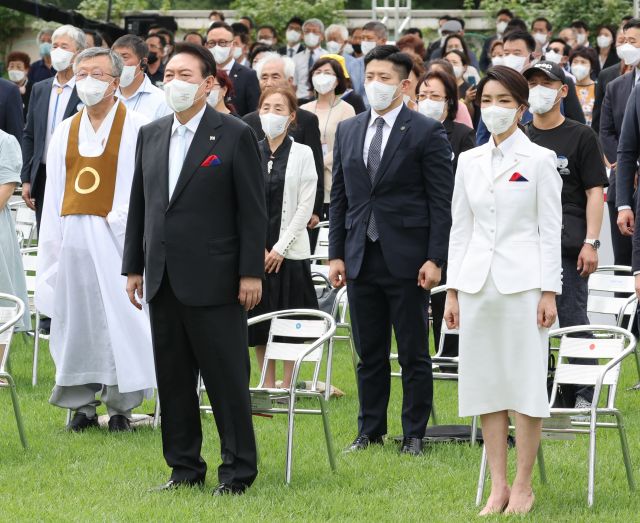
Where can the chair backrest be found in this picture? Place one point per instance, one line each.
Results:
(297, 334)
(444, 330)
(322, 245)
(11, 311)
(607, 344)
(341, 306)
(29, 262)
(25, 220)
(610, 290)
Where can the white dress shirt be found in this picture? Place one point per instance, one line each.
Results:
(498, 152)
(61, 93)
(301, 61)
(148, 100)
(227, 68)
(292, 50)
(389, 120)
(191, 128)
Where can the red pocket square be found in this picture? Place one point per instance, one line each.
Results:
(211, 160)
(517, 177)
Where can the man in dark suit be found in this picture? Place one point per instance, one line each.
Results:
(274, 71)
(606, 76)
(627, 168)
(52, 100)
(293, 36)
(612, 115)
(245, 82)
(196, 229)
(11, 118)
(390, 218)
(503, 17)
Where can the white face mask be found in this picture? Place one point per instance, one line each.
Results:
(334, 47)
(214, 97)
(498, 119)
(274, 125)
(540, 38)
(604, 41)
(266, 41)
(237, 53)
(91, 91)
(515, 62)
(293, 36)
(458, 71)
(61, 59)
(380, 95)
(628, 53)
(501, 26)
(552, 56)
(348, 49)
(581, 38)
(580, 71)
(497, 60)
(128, 75)
(366, 47)
(16, 76)
(180, 95)
(311, 40)
(220, 54)
(324, 83)
(431, 108)
(542, 99)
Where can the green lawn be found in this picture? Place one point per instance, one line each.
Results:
(99, 476)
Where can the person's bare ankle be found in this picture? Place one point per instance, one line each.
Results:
(498, 500)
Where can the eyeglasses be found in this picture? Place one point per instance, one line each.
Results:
(219, 43)
(96, 75)
(433, 97)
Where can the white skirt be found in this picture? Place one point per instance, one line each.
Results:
(503, 353)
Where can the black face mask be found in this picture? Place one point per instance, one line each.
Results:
(152, 58)
(357, 48)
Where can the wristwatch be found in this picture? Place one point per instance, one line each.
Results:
(438, 262)
(594, 243)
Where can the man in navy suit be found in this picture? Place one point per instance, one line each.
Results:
(245, 82)
(11, 119)
(390, 217)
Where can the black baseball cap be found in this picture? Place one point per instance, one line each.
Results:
(551, 69)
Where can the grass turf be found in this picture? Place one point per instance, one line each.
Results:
(98, 476)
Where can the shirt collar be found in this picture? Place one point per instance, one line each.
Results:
(507, 145)
(145, 87)
(389, 118)
(191, 125)
(228, 67)
(71, 83)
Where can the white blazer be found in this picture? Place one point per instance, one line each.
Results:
(300, 183)
(510, 229)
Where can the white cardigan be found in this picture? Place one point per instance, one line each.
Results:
(300, 183)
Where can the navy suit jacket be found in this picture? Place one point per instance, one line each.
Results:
(607, 75)
(628, 152)
(35, 132)
(246, 87)
(11, 118)
(410, 197)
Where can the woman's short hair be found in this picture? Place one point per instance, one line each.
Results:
(588, 53)
(286, 93)
(225, 83)
(341, 85)
(510, 79)
(463, 56)
(465, 47)
(413, 42)
(442, 63)
(450, 89)
(19, 56)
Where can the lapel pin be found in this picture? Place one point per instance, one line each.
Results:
(212, 138)
(402, 128)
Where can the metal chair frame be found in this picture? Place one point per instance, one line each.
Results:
(26, 229)
(615, 347)
(9, 317)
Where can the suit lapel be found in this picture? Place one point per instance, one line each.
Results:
(360, 133)
(200, 148)
(398, 132)
(164, 141)
(72, 106)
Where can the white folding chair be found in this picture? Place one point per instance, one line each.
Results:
(320, 257)
(612, 344)
(29, 261)
(11, 312)
(25, 221)
(313, 333)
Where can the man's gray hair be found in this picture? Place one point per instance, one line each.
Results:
(288, 64)
(314, 21)
(116, 61)
(342, 29)
(43, 32)
(77, 35)
(378, 28)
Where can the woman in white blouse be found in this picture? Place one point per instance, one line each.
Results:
(290, 191)
(503, 275)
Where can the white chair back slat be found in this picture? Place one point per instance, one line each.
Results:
(31, 284)
(608, 282)
(6, 314)
(591, 348)
(298, 328)
(605, 304)
(568, 374)
(25, 215)
(291, 351)
(29, 262)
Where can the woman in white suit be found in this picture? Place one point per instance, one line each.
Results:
(504, 273)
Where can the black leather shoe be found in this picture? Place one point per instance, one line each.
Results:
(226, 489)
(81, 422)
(411, 446)
(363, 441)
(119, 423)
(174, 484)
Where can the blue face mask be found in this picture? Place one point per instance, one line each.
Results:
(45, 49)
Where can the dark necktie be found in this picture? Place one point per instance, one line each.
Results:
(311, 60)
(373, 163)
(290, 52)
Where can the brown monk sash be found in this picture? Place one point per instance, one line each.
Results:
(91, 181)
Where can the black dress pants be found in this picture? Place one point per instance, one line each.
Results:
(377, 302)
(212, 340)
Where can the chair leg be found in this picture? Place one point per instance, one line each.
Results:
(156, 412)
(36, 349)
(66, 424)
(543, 470)
(625, 450)
(354, 355)
(327, 433)
(16, 408)
(434, 417)
(637, 355)
(289, 459)
(474, 430)
(592, 462)
(483, 476)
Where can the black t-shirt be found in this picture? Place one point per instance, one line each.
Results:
(578, 158)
